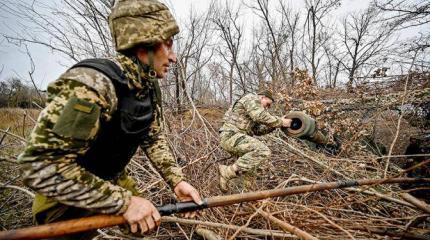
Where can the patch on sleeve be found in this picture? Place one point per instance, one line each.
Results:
(79, 119)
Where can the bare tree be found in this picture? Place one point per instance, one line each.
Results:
(292, 18)
(226, 20)
(273, 42)
(364, 38)
(255, 67)
(332, 66)
(405, 13)
(315, 33)
(402, 14)
(33, 82)
(76, 28)
(218, 77)
(192, 54)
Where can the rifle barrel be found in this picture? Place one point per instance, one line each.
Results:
(219, 201)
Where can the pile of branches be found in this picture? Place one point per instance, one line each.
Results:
(356, 213)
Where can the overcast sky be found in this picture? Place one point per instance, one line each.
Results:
(49, 65)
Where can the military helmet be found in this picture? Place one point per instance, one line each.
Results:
(266, 93)
(140, 22)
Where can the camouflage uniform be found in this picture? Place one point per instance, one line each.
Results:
(79, 103)
(243, 120)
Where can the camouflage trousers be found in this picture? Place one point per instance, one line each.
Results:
(250, 151)
(47, 210)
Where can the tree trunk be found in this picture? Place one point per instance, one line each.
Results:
(231, 83)
(177, 90)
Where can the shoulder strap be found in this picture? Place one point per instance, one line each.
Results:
(105, 66)
(235, 102)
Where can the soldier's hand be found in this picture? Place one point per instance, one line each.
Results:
(142, 214)
(286, 122)
(185, 192)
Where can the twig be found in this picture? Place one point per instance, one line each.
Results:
(13, 135)
(37, 105)
(399, 121)
(259, 232)
(418, 165)
(28, 115)
(307, 156)
(287, 227)
(31, 72)
(207, 234)
(247, 222)
(391, 232)
(416, 202)
(403, 156)
(328, 220)
(189, 164)
(372, 192)
(416, 220)
(182, 231)
(4, 135)
(17, 188)
(120, 234)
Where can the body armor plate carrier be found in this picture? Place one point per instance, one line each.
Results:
(119, 138)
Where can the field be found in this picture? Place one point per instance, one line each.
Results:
(15, 205)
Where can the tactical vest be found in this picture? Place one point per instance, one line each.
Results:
(119, 138)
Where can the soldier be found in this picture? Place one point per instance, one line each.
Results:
(247, 117)
(98, 113)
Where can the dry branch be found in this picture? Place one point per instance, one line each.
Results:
(13, 135)
(31, 194)
(258, 232)
(287, 227)
(416, 202)
(392, 232)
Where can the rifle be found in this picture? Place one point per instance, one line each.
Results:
(101, 221)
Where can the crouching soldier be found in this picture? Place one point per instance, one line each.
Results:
(98, 113)
(248, 116)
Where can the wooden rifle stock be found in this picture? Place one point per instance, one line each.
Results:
(101, 221)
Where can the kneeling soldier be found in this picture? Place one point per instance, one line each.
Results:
(247, 117)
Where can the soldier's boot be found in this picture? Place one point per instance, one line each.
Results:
(226, 173)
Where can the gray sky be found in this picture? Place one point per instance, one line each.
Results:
(49, 65)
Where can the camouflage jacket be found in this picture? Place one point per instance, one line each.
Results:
(49, 159)
(249, 117)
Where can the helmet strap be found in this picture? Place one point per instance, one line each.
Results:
(152, 74)
(147, 68)
(153, 78)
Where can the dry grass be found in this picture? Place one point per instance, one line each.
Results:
(15, 206)
(18, 120)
